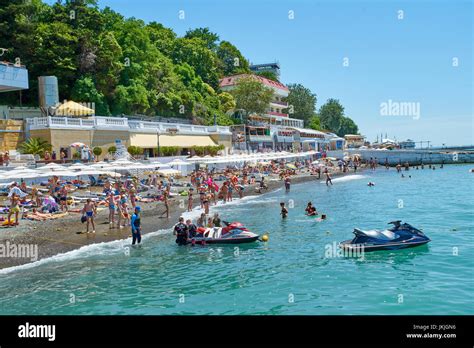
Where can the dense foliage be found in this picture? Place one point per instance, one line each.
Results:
(35, 146)
(121, 64)
(332, 118)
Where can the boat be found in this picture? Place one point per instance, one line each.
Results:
(231, 233)
(400, 236)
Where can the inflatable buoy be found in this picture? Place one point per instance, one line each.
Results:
(265, 238)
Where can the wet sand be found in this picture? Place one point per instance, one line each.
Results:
(67, 233)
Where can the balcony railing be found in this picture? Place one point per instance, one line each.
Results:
(277, 114)
(99, 122)
(285, 104)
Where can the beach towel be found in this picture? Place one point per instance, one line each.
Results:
(17, 191)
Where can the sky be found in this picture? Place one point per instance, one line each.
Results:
(414, 55)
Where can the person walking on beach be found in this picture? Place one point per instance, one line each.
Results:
(89, 211)
(181, 232)
(112, 207)
(136, 226)
(167, 207)
(190, 199)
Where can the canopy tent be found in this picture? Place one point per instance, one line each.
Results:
(185, 141)
(71, 108)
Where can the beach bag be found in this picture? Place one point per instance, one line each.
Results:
(83, 218)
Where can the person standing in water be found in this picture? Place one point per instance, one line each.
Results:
(136, 226)
(287, 183)
(181, 232)
(328, 177)
(284, 211)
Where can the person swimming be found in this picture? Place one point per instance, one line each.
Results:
(370, 183)
(322, 218)
(310, 210)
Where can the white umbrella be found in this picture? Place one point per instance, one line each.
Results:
(52, 166)
(79, 166)
(168, 171)
(178, 162)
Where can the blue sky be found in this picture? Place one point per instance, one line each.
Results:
(403, 60)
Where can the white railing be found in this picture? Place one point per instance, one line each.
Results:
(99, 122)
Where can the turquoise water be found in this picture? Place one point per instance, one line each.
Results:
(288, 275)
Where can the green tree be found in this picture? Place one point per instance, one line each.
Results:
(251, 96)
(231, 61)
(134, 150)
(301, 102)
(84, 91)
(203, 60)
(35, 146)
(314, 123)
(209, 38)
(97, 151)
(348, 126)
(331, 114)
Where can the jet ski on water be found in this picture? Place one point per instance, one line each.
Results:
(232, 233)
(400, 236)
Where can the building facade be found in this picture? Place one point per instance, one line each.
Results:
(103, 132)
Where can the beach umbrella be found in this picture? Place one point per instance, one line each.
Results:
(168, 171)
(78, 166)
(51, 167)
(71, 108)
(77, 144)
(178, 162)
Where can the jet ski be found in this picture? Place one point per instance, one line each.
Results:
(400, 236)
(232, 233)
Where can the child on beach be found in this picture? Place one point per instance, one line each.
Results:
(14, 208)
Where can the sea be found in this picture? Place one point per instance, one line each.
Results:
(298, 271)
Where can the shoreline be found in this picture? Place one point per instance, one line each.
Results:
(54, 237)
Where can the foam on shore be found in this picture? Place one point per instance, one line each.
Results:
(346, 178)
(118, 246)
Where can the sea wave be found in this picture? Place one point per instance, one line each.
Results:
(115, 246)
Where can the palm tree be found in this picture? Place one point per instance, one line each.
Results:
(35, 146)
